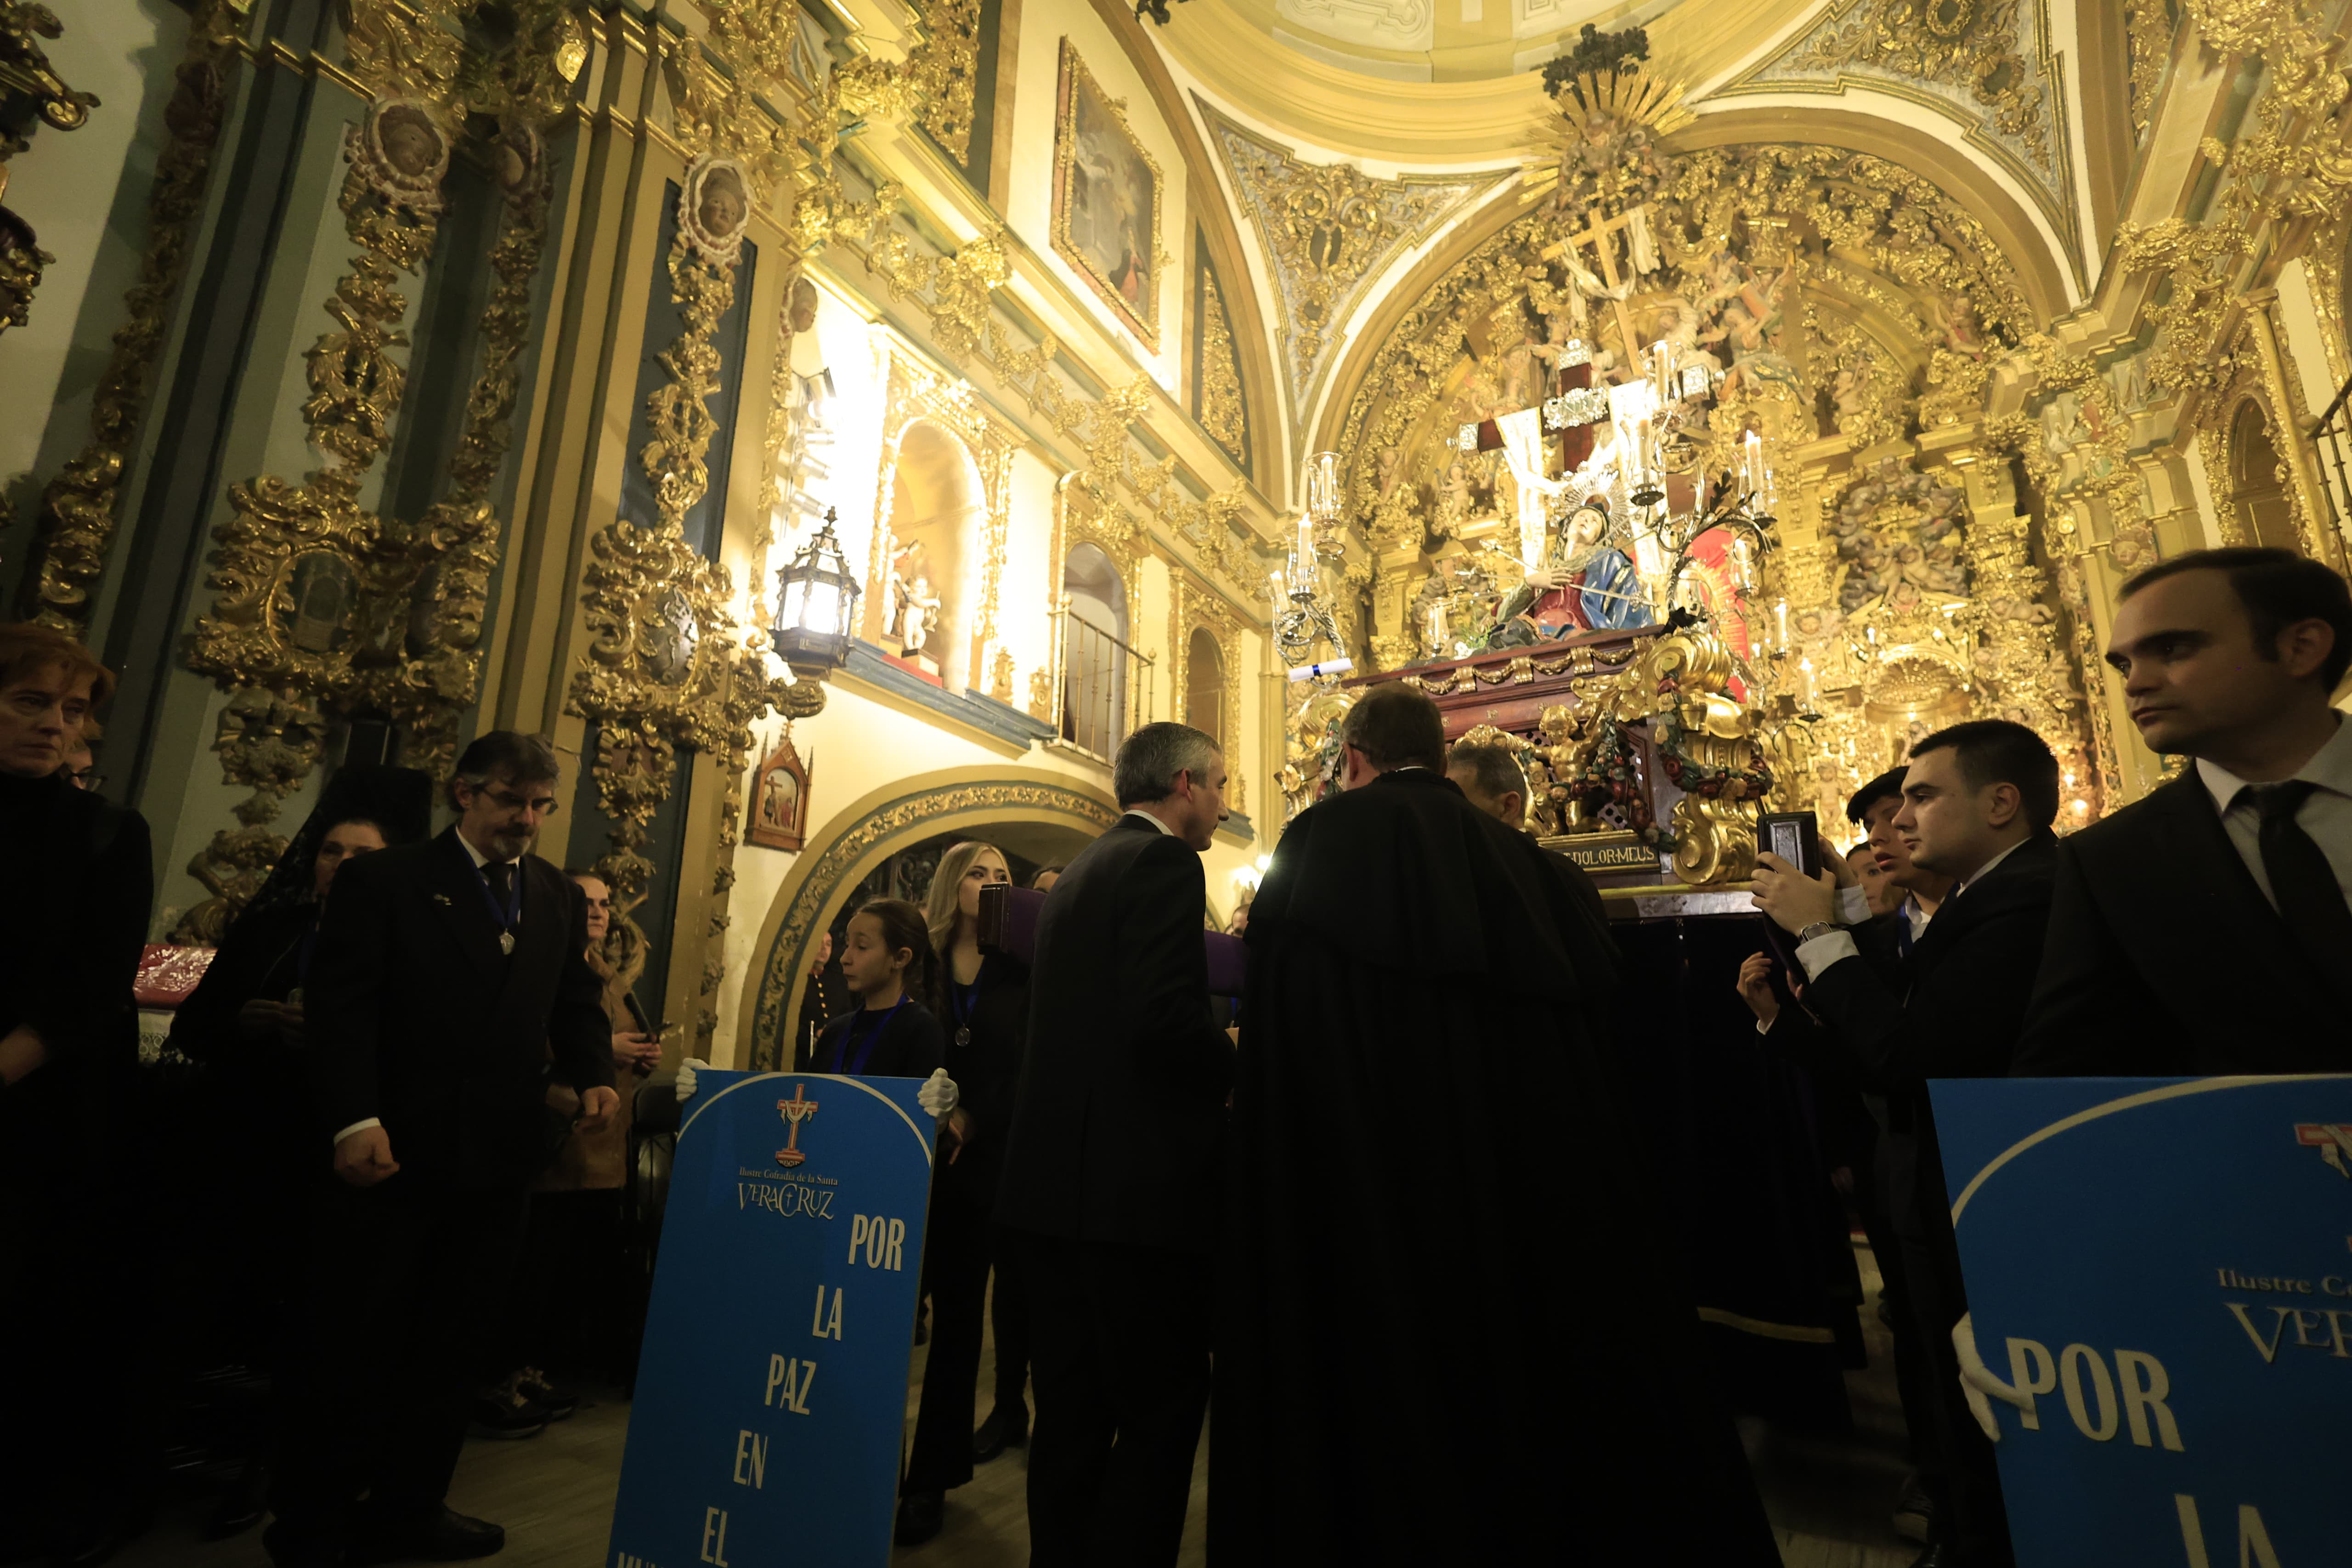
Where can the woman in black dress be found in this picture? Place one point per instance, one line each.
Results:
(985, 1003)
(243, 1024)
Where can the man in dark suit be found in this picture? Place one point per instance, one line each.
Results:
(444, 975)
(2204, 928)
(1111, 1166)
(1883, 925)
(1977, 802)
(1491, 779)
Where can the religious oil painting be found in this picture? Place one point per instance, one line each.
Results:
(780, 798)
(1106, 201)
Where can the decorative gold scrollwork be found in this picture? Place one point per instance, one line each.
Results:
(320, 606)
(25, 71)
(77, 521)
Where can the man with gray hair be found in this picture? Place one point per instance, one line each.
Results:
(1491, 779)
(1111, 1168)
(447, 975)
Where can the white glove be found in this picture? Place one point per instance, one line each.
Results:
(1976, 1380)
(938, 1095)
(686, 1078)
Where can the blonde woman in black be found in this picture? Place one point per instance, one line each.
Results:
(984, 1004)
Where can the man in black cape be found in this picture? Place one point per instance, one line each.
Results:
(1449, 1328)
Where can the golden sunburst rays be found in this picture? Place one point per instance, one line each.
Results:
(1596, 109)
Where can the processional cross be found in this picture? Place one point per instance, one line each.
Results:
(796, 1110)
(1600, 235)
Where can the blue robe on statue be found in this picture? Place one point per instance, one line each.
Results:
(1590, 601)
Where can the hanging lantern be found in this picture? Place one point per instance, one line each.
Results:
(816, 605)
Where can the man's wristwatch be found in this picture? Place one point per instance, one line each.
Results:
(1819, 928)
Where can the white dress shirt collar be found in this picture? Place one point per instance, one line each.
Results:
(1986, 869)
(2330, 768)
(1146, 816)
(1916, 915)
(475, 855)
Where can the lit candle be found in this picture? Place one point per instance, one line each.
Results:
(1743, 567)
(1805, 684)
(1780, 611)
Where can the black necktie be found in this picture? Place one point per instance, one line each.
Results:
(2310, 898)
(502, 876)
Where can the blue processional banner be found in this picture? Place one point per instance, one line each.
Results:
(772, 1393)
(2165, 1266)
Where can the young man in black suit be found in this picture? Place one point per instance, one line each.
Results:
(1977, 802)
(1884, 940)
(2204, 928)
(445, 974)
(1110, 1169)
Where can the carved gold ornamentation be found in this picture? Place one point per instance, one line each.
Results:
(25, 72)
(268, 742)
(24, 67)
(320, 606)
(668, 667)
(1962, 43)
(788, 957)
(1217, 401)
(1993, 65)
(1106, 201)
(958, 284)
(1193, 606)
(2148, 27)
(947, 74)
(2294, 164)
(75, 527)
(1891, 305)
(1326, 230)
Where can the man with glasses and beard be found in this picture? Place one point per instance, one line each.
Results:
(446, 975)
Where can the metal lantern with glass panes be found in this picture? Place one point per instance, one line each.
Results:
(816, 604)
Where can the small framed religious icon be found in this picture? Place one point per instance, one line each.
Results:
(779, 818)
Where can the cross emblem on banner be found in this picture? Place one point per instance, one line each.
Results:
(1600, 237)
(2334, 1141)
(796, 1110)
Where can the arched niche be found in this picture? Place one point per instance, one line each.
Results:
(930, 591)
(1045, 816)
(1096, 661)
(2257, 494)
(1204, 685)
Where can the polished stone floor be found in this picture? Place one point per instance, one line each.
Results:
(1830, 1499)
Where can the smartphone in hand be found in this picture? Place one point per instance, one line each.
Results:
(1795, 836)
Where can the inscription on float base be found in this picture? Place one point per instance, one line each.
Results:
(1606, 851)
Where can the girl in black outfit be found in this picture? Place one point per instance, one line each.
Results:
(886, 960)
(985, 1001)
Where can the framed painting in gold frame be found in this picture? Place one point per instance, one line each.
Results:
(1107, 191)
(778, 803)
